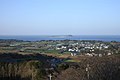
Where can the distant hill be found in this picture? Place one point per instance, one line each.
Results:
(61, 36)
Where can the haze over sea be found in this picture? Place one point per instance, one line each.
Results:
(64, 37)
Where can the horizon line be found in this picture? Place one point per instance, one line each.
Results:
(62, 35)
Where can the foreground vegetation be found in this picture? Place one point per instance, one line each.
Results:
(38, 67)
(100, 68)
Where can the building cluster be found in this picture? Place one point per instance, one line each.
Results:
(85, 48)
(73, 47)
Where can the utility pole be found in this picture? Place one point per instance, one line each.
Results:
(50, 76)
(87, 70)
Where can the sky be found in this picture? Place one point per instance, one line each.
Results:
(59, 17)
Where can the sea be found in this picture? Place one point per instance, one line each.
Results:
(64, 37)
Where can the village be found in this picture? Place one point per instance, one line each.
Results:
(70, 47)
(86, 48)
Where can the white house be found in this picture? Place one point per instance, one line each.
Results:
(100, 55)
(88, 54)
(71, 50)
(109, 54)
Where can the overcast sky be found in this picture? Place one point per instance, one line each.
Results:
(59, 17)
